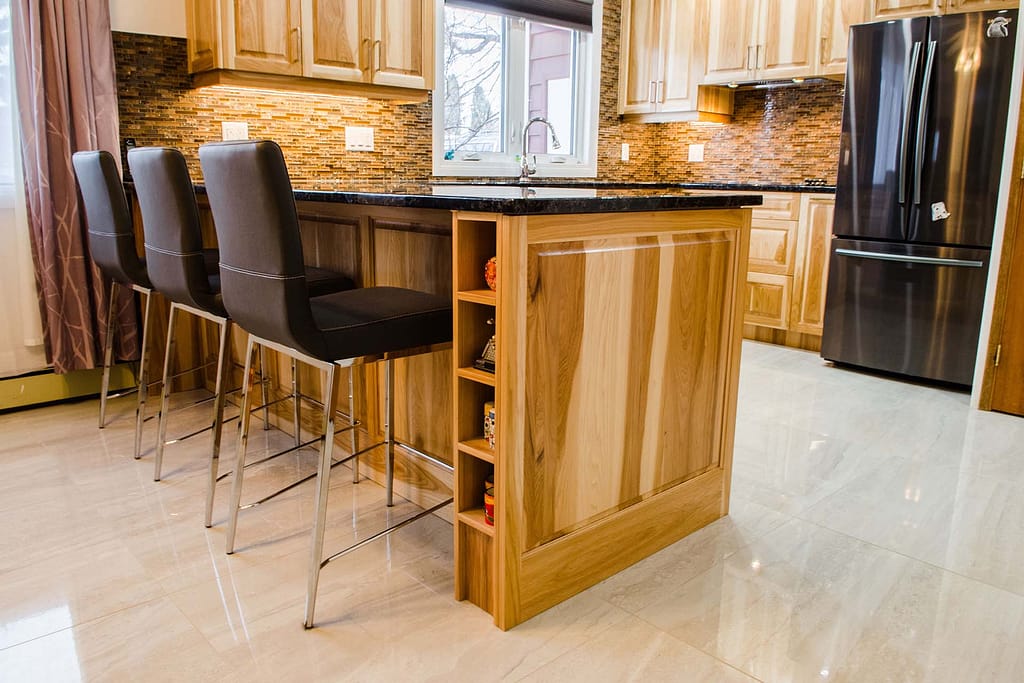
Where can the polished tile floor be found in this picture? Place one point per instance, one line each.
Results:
(876, 534)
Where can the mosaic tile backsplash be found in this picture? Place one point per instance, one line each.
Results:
(780, 135)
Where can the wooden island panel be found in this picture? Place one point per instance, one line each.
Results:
(618, 356)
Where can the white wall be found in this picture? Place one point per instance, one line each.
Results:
(155, 17)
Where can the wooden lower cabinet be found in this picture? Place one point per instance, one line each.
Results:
(788, 270)
(767, 300)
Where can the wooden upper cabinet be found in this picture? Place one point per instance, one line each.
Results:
(661, 59)
(337, 41)
(733, 30)
(639, 58)
(403, 32)
(265, 36)
(374, 48)
(203, 40)
(787, 47)
(953, 6)
(896, 9)
(837, 16)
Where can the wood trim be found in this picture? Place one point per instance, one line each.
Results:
(510, 403)
(568, 227)
(568, 565)
(320, 86)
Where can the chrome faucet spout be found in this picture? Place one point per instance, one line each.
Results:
(524, 165)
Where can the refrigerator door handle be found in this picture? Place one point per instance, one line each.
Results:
(910, 80)
(922, 119)
(928, 260)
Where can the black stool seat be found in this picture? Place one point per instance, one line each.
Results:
(376, 320)
(321, 281)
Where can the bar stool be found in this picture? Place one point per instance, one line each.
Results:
(261, 269)
(177, 268)
(112, 246)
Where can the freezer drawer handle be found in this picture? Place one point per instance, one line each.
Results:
(930, 260)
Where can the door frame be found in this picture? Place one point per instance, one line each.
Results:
(994, 320)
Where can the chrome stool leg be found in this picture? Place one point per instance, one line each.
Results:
(263, 388)
(108, 354)
(218, 417)
(143, 383)
(243, 437)
(165, 394)
(296, 402)
(389, 427)
(354, 433)
(323, 482)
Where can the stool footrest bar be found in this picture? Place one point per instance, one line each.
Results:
(385, 532)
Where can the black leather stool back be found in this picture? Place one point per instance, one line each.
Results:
(111, 240)
(174, 241)
(262, 273)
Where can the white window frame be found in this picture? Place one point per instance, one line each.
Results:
(582, 164)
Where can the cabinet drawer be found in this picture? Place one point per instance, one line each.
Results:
(767, 300)
(772, 246)
(780, 206)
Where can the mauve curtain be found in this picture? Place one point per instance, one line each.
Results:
(64, 65)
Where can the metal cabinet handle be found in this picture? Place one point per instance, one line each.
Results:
(750, 49)
(757, 57)
(376, 47)
(824, 50)
(660, 96)
(651, 88)
(297, 33)
(368, 63)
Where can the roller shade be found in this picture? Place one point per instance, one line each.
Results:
(574, 14)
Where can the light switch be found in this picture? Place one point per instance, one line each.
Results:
(696, 153)
(234, 130)
(625, 151)
(359, 138)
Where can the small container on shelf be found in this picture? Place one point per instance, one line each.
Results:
(488, 500)
(491, 273)
(489, 423)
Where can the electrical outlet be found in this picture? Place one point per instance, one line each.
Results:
(696, 153)
(625, 151)
(359, 138)
(234, 130)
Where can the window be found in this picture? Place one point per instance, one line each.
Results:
(496, 73)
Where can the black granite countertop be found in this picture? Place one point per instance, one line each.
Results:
(608, 184)
(518, 200)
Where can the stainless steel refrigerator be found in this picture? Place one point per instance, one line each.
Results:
(920, 156)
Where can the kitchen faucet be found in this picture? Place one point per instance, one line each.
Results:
(524, 166)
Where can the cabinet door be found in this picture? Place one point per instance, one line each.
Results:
(837, 16)
(639, 56)
(953, 6)
(677, 86)
(265, 36)
(788, 41)
(337, 44)
(403, 45)
(203, 42)
(772, 246)
(815, 234)
(767, 300)
(732, 36)
(895, 9)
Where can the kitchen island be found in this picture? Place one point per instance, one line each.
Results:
(617, 318)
